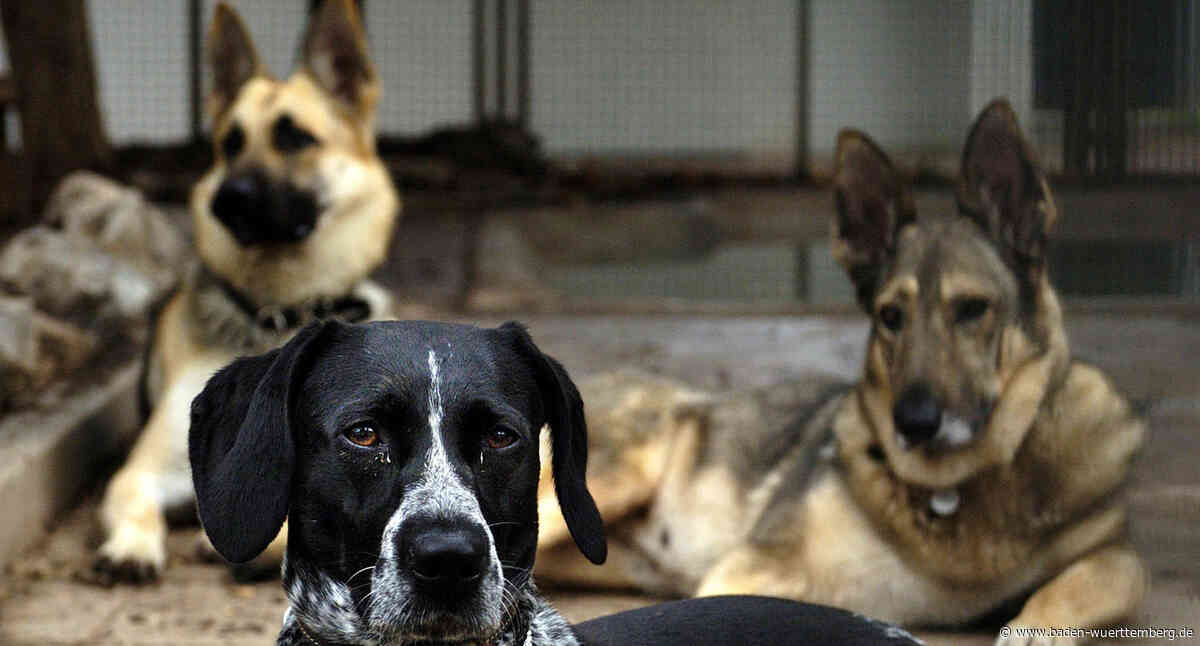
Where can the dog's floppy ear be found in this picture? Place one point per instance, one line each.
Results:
(232, 59)
(242, 448)
(1004, 190)
(563, 408)
(335, 55)
(872, 204)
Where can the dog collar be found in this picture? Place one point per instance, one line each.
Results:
(348, 308)
(313, 640)
(304, 631)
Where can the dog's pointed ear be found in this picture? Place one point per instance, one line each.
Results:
(872, 203)
(334, 53)
(563, 409)
(1004, 190)
(232, 59)
(242, 448)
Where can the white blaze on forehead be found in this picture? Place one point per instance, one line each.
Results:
(437, 463)
(435, 399)
(438, 483)
(438, 491)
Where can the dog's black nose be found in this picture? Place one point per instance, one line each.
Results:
(255, 211)
(239, 203)
(917, 414)
(446, 559)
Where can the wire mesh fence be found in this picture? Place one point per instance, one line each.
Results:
(770, 80)
(1105, 88)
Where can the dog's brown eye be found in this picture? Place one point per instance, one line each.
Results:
(892, 317)
(233, 142)
(970, 309)
(289, 137)
(500, 437)
(362, 436)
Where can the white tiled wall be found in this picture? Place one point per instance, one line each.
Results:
(422, 50)
(666, 76)
(896, 69)
(141, 55)
(626, 76)
(1002, 54)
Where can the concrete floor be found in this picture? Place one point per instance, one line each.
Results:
(1152, 357)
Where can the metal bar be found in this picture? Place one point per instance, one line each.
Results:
(502, 58)
(1074, 114)
(1116, 34)
(802, 90)
(1122, 45)
(195, 63)
(477, 63)
(523, 71)
(1193, 59)
(1178, 134)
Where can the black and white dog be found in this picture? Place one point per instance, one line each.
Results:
(405, 455)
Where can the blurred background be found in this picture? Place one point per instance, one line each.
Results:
(571, 107)
(645, 182)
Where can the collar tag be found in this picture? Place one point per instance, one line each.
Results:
(945, 502)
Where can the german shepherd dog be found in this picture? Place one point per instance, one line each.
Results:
(973, 468)
(296, 211)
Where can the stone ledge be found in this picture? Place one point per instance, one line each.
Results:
(51, 454)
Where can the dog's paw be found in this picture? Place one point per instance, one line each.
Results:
(129, 557)
(1026, 636)
(107, 572)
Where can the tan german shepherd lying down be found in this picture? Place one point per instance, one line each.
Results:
(973, 467)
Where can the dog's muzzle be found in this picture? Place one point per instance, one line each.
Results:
(917, 415)
(921, 421)
(439, 577)
(446, 560)
(256, 210)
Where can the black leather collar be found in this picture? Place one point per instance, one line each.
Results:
(348, 308)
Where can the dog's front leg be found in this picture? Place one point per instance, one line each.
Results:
(155, 477)
(1104, 587)
(132, 515)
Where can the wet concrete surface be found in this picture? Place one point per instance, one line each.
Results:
(43, 599)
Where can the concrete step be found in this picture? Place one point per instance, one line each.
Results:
(51, 453)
